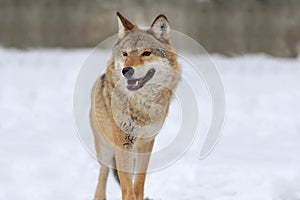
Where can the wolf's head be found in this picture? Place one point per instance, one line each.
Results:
(144, 59)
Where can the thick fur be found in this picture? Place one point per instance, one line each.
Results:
(126, 121)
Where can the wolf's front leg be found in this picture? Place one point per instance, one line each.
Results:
(144, 148)
(102, 181)
(126, 185)
(124, 167)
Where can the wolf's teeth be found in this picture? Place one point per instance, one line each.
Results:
(136, 82)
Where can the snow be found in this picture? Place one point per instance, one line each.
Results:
(257, 158)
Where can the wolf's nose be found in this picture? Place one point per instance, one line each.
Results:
(128, 72)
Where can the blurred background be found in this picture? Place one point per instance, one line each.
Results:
(253, 43)
(228, 27)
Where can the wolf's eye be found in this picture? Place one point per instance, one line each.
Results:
(125, 54)
(146, 53)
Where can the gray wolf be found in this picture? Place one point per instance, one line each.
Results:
(130, 103)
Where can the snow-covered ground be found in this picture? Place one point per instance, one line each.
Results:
(257, 158)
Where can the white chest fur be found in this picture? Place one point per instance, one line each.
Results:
(137, 113)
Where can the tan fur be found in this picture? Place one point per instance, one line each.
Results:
(126, 121)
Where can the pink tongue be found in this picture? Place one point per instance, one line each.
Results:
(131, 82)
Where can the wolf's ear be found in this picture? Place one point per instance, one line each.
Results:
(161, 28)
(124, 25)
